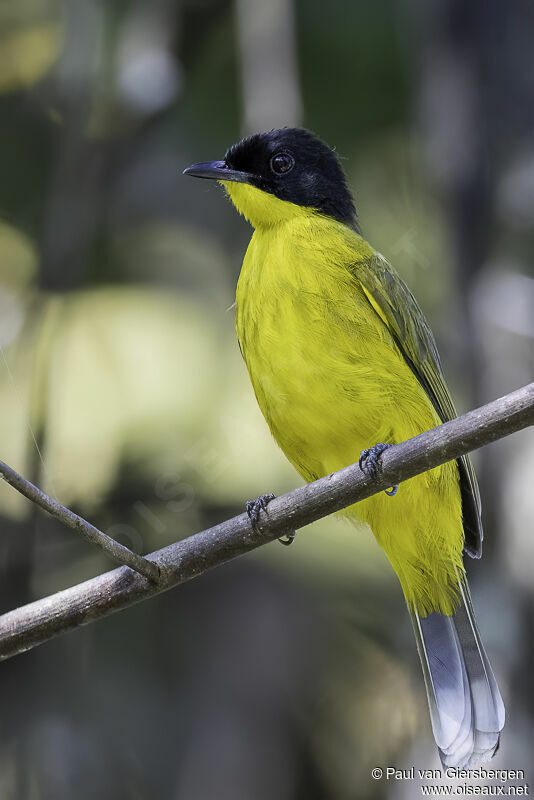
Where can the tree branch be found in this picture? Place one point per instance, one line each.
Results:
(117, 551)
(40, 621)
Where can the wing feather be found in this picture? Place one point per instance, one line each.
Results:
(398, 309)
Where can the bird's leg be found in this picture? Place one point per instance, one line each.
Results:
(254, 509)
(369, 462)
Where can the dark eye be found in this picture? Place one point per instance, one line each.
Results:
(281, 163)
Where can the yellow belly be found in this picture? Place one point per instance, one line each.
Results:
(330, 382)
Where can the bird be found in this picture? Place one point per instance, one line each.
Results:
(343, 365)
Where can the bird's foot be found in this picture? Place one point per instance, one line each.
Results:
(254, 509)
(370, 463)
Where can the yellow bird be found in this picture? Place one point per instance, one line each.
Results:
(340, 357)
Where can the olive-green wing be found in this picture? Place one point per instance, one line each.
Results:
(397, 307)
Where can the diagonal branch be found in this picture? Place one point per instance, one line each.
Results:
(33, 624)
(117, 551)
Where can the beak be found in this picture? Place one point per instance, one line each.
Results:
(217, 171)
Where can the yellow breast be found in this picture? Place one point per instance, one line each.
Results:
(310, 340)
(330, 381)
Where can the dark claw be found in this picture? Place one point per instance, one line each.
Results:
(254, 509)
(289, 539)
(364, 455)
(369, 462)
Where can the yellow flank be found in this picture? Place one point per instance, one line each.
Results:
(331, 381)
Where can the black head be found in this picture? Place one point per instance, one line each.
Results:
(290, 163)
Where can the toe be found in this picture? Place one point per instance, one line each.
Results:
(289, 539)
(255, 507)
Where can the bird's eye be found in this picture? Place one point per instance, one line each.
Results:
(282, 163)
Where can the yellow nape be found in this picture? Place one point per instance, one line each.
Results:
(262, 209)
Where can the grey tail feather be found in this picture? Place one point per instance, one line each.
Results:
(466, 707)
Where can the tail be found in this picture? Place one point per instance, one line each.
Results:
(466, 707)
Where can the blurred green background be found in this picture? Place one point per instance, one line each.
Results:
(289, 673)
